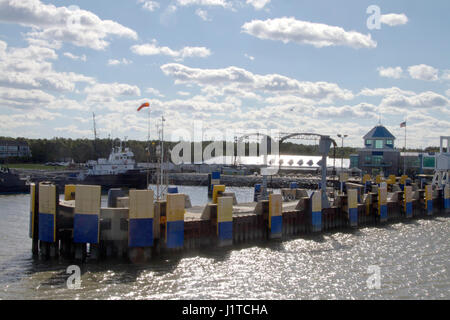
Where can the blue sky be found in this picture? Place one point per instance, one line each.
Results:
(247, 65)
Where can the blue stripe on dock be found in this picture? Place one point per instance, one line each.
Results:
(316, 221)
(429, 207)
(85, 228)
(353, 217)
(447, 203)
(276, 225)
(46, 227)
(409, 209)
(383, 213)
(226, 230)
(140, 233)
(175, 234)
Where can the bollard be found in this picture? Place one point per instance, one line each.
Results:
(48, 198)
(86, 219)
(429, 199)
(175, 221)
(34, 218)
(225, 221)
(408, 206)
(257, 192)
(447, 197)
(69, 192)
(213, 179)
(217, 191)
(366, 178)
(382, 204)
(316, 211)
(275, 216)
(352, 198)
(403, 180)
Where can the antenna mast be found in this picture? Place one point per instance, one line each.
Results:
(95, 135)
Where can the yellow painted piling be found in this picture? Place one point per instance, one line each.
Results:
(175, 220)
(141, 218)
(47, 212)
(87, 213)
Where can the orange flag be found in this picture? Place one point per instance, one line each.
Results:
(143, 106)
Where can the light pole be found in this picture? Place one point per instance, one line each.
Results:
(342, 136)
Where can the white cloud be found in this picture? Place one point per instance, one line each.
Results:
(258, 4)
(203, 14)
(241, 79)
(447, 93)
(209, 3)
(303, 32)
(104, 93)
(423, 72)
(183, 93)
(423, 101)
(154, 92)
(359, 111)
(385, 92)
(445, 75)
(30, 68)
(150, 49)
(68, 24)
(24, 99)
(390, 72)
(74, 129)
(249, 57)
(75, 57)
(149, 5)
(115, 62)
(393, 19)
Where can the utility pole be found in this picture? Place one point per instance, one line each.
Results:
(342, 136)
(95, 136)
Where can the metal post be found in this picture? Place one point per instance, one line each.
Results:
(342, 136)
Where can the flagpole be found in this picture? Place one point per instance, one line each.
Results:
(404, 159)
(148, 149)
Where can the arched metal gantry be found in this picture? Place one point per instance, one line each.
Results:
(309, 136)
(324, 148)
(266, 144)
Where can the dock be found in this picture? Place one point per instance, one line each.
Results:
(137, 227)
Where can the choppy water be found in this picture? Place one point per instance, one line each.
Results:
(413, 258)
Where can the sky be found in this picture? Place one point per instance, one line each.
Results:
(227, 66)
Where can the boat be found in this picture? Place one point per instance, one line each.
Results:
(11, 183)
(118, 171)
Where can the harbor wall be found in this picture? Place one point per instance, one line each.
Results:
(140, 228)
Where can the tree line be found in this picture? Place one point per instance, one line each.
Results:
(82, 150)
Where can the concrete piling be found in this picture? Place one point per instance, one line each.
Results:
(86, 221)
(382, 204)
(140, 224)
(175, 221)
(48, 203)
(316, 211)
(429, 199)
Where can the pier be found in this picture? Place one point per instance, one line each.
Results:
(134, 226)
